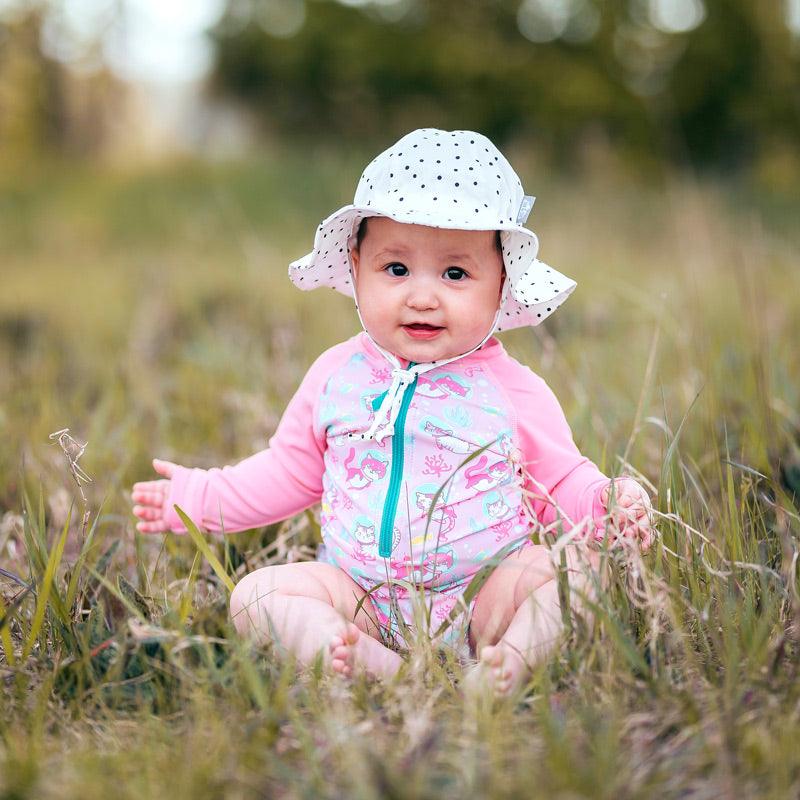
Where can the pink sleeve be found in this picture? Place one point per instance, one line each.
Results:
(271, 485)
(562, 482)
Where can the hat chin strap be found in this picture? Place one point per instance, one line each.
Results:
(383, 424)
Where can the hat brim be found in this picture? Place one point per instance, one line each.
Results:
(536, 289)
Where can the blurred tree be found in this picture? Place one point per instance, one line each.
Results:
(45, 106)
(27, 90)
(702, 82)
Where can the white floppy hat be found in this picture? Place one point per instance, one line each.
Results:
(443, 179)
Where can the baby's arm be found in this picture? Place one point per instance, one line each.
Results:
(266, 487)
(561, 480)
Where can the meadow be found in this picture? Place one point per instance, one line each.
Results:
(149, 312)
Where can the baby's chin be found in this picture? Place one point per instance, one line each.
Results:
(425, 352)
(422, 352)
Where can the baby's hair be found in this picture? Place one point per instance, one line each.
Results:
(362, 232)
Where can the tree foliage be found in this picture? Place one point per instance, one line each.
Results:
(716, 95)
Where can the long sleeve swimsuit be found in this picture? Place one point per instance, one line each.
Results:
(485, 430)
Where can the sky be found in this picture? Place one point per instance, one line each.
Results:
(139, 40)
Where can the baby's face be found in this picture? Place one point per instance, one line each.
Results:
(427, 294)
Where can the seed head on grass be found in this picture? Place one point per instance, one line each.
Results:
(73, 450)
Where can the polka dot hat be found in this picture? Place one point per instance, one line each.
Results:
(444, 179)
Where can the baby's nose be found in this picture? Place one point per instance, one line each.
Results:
(422, 297)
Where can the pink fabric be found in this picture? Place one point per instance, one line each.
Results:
(273, 484)
(286, 478)
(486, 404)
(565, 483)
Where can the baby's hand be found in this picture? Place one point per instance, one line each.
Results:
(149, 498)
(631, 513)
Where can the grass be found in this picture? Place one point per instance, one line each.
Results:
(150, 313)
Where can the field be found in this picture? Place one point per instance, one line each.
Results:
(149, 312)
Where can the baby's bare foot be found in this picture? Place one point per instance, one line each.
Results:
(501, 668)
(351, 650)
(342, 649)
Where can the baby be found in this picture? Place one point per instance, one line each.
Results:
(432, 451)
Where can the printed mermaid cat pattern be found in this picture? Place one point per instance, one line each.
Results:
(459, 431)
(431, 571)
(446, 440)
(484, 478)
(443, 519)
(440, 388)
(364, 534)
(371, 469)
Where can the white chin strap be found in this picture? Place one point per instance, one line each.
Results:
(385, 417)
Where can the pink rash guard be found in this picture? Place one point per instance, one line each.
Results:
(376, 498)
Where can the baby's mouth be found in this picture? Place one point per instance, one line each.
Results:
(422, 330)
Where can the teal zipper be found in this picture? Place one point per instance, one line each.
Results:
(398, 455)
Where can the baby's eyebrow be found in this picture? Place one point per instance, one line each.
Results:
(392, 250)
(458, 256)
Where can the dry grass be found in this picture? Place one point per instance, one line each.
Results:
(151, 315)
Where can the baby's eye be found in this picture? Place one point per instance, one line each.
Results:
(398, 270)
(455, 273)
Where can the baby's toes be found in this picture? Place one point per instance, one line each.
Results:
(492, 659)
(340, 655)
(342, 649)
(351, 633)
(493, 662)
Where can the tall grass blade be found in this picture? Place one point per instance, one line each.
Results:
(202, 545)
(45, 588)
(77, 570)
(476, 584)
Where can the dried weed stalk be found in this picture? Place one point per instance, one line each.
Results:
(73, 450)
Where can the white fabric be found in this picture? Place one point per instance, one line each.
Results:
(444, 179)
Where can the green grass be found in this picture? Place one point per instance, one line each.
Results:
(150, 313)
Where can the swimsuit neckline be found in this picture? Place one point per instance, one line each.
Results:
(492, 348)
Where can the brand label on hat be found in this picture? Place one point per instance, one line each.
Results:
(525, 209)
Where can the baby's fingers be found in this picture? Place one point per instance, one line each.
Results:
(158, 526)
(165, 468)
(147, 512)
(640, 530)
(151, 486)
(630, 492)
(155, 499)
(644, 533)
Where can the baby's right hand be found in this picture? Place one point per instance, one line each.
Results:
(149, 498)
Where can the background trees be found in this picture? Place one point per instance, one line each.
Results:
(712, 83)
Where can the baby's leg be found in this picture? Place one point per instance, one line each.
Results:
(517, 620)
(310, 607)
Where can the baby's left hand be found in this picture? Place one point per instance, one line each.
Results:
(631, 513)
